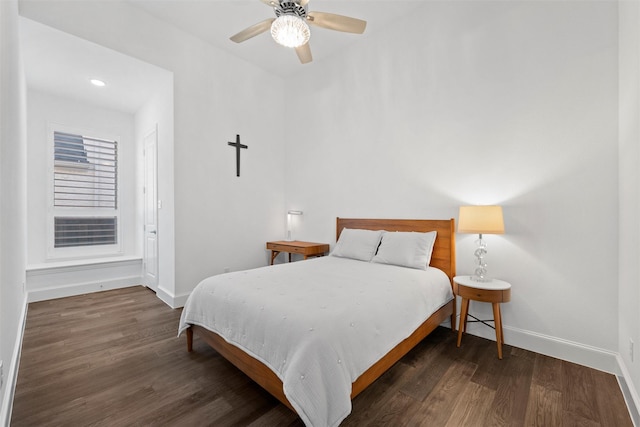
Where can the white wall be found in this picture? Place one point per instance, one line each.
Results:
(629, 173)
(13, 148)
(46, 109)
(221, 221)
(486, 102)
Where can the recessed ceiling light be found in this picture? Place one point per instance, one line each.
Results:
(97, 82)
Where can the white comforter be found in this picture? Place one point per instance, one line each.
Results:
(318, 324)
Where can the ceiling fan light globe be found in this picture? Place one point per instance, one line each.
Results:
(290, 31)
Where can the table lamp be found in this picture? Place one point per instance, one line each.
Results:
(480, 220)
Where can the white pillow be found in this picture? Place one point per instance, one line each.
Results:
(406, 249)
(357, 244)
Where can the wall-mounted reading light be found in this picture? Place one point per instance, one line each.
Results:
(291, 214)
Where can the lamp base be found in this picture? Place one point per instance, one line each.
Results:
(480, 274)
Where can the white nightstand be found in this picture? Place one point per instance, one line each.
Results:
(494, 291)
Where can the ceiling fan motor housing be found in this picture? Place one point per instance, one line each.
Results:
(291, 8)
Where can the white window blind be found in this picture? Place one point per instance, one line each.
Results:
(85, 171)
(85, 195)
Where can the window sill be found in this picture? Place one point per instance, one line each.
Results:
(89, 262)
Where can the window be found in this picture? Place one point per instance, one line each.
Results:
(80, 231)
(85, 192)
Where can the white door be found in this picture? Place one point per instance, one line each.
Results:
(150, 262)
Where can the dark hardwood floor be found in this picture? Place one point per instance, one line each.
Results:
(113, 359)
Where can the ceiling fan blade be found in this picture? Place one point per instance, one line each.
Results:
(253, 30)
(304, 53)
(272, 3)
(337, 22)
(302, 3)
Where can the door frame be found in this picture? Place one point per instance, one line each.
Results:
(147, 162)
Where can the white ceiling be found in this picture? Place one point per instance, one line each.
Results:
(216, 20)
(61, 63)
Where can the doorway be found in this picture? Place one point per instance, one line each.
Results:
(150, 260)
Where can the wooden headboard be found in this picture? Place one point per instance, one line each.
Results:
(444, 249)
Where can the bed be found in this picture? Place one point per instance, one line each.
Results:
(316, 333)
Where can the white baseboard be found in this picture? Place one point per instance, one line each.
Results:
(59, 280)
(173, 301)
(83, 288)
(571, 351)
(12, 374)
(629, 391)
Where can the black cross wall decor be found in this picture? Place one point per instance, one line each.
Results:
(238, 147)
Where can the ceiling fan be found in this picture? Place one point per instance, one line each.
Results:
(289, 27)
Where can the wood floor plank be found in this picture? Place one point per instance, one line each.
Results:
(436, 408)
(547, 372)
(490, 368)
(570, 419)
(428, 375)
(579, 392)
(279, 415)
(113, 359)
(374, 400)
(544, 407)
(394, 413)
(512, 393)
(472, 406)
(613, 412)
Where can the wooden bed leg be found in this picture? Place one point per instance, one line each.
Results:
(189, 339)
(454, 314)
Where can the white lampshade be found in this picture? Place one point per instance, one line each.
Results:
(290, 31)
(480, 220)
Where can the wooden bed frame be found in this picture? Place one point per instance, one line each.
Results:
(443, 257)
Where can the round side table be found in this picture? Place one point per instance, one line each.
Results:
(493, 291)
